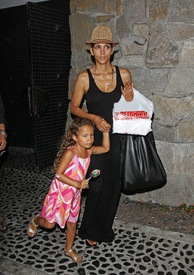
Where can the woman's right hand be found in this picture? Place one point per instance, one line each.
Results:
(84, 184)
(101, 124)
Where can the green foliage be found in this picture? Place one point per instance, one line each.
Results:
(187, 208)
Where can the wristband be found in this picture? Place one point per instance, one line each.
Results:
(57, 176)
(3, 132)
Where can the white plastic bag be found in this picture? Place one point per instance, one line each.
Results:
(133, 117)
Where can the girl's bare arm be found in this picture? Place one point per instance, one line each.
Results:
(105, 147)
(65, 160)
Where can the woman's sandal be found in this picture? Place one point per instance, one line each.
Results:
(90, 243)
(69, 253)
(30, 231)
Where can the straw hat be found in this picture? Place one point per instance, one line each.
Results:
(101, 34)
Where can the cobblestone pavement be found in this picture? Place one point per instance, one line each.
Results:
(135, 250)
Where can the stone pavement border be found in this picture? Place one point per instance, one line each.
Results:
(9, 267)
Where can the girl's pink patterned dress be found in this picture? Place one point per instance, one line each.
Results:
(62, 202)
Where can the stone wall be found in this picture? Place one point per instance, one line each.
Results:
(156, 43)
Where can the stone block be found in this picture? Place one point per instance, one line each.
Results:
(170, 111)
(150, 82)
(122, 62)
(178, 162)
(185, 130)
(134, 11)
(141, 30)
(180, 31)
(137, 61)
(162, 50)
(121, 25)
(138, 40)
(93, 6)
(164, 133)
(187, 54)
(81, 26)
(181, 11)
(180, 83)
(104, 18)
(129, 47)
(177, 157)
(178, 189)
(158, 10)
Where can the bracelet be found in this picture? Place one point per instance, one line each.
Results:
(3, 132)
(57, 176)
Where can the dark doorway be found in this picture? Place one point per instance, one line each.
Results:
(35, 53)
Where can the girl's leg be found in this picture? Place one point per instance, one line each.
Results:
(38, 221)
(70, 237)
(70, 234)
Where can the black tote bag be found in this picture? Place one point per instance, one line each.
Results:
(141, 166)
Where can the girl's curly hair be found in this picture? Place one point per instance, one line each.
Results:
(67, 139)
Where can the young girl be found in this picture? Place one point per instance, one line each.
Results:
(62, 203)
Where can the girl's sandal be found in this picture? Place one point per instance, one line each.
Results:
(32, 231)
(69, 253)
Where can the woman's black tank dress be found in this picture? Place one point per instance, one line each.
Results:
(104, 192)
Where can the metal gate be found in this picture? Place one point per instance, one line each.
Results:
(45, 97)
(50, 64)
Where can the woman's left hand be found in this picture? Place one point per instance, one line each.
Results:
(127, 91)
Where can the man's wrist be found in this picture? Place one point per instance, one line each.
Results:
(3, 132)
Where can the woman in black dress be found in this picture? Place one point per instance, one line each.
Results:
(101, 86)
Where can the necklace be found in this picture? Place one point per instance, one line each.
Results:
(107, 84)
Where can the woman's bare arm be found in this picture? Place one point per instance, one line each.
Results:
(127, 90)
(81, 87)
